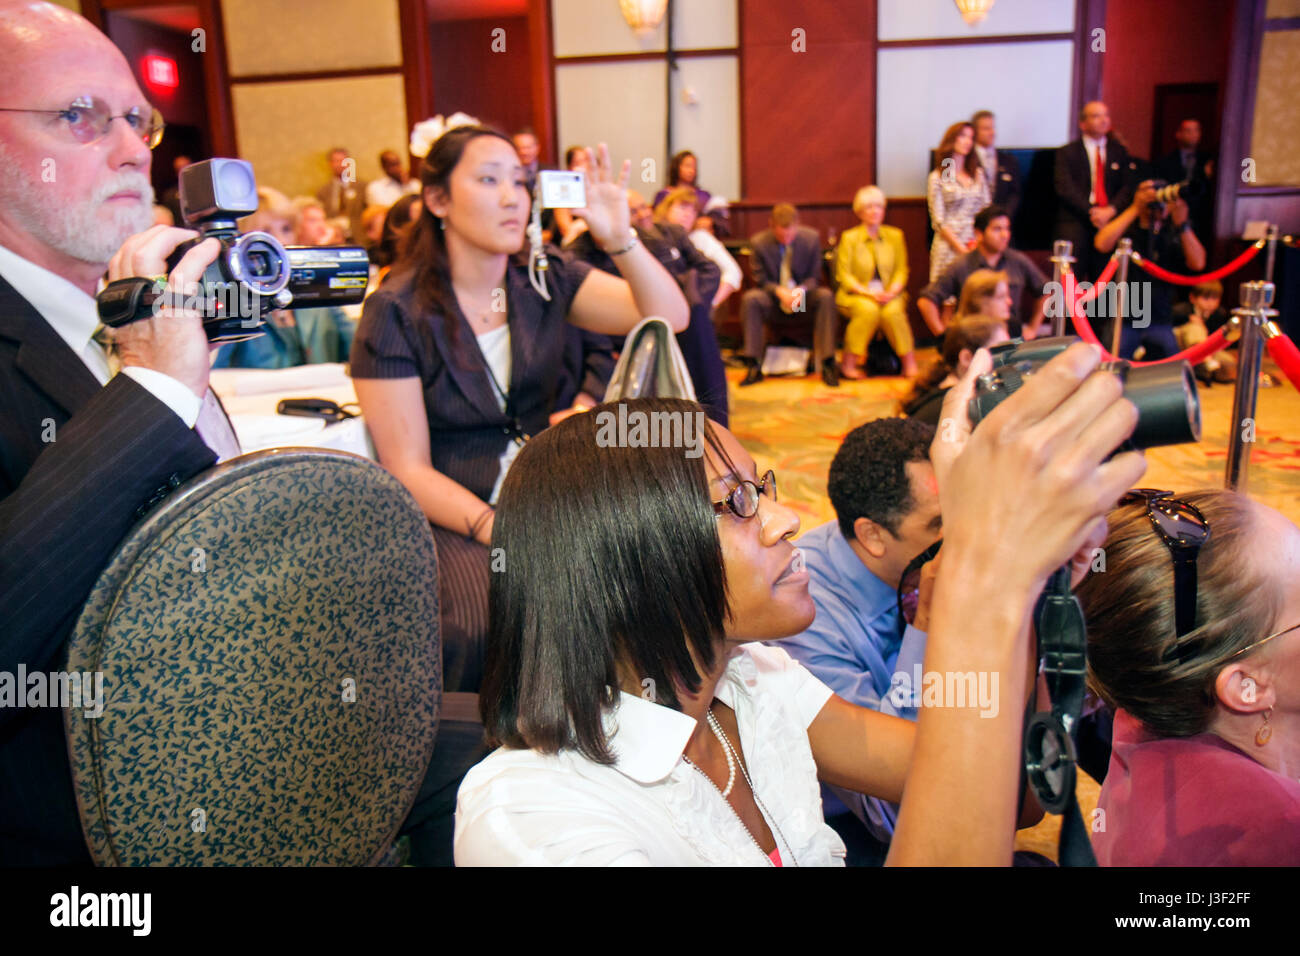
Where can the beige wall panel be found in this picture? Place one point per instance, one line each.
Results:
(1282, 8)
(1277, 121)
(705, 25)
(619, 103)
(285, 129)
(308, 36)
(589, 27)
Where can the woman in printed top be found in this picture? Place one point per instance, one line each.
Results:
(1194, 639)
(639, 724)
(458, 359)
(956, 191)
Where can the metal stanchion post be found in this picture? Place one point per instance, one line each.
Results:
(1062, 250)
(1272, 252)
(1256, 309)
(1125, 252)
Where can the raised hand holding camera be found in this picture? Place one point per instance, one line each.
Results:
(606, 212)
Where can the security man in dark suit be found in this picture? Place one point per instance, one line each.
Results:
(786, 262)
(1095, 177)
(1000, 167)
(1191, 164)
(82, 450)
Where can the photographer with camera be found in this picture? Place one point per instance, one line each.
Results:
(1159, 224)
(457, 361)
(82, 449)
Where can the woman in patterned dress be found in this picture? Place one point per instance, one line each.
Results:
(956, 191)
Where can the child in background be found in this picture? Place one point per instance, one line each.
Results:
(1197, 319)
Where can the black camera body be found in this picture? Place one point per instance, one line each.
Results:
(254, 273)
(1188, 190)
(1169, 408)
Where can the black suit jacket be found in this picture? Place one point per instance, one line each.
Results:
(1170, 167)
(1074, 180)
(806, 261)
(65, 505)
(1006, 184)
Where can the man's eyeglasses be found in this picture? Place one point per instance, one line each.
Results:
(88, 118)
(742, 500)
(1184, 530)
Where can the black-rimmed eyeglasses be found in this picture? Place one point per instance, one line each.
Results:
(742, 500)
(88, 118)
(1184, 531)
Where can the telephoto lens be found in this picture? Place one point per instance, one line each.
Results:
(1169, 408)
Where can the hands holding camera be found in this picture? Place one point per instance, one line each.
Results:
(1054, 435)
(606, 212)
(172, 341)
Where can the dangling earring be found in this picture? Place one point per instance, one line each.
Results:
(442, 223)
(1265, 732)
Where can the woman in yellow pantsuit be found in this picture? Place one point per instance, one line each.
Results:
(871, 272)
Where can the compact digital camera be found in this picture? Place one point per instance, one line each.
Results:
(561, 189)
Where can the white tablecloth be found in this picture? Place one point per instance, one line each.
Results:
(251, 396)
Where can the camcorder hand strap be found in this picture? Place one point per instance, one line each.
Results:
(1050, 758)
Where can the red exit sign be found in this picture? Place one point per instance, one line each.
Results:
(161, 71)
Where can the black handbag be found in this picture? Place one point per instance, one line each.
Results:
(881, 359)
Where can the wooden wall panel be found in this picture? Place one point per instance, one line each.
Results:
(808, 117)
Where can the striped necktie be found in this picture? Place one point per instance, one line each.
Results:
(103, 336)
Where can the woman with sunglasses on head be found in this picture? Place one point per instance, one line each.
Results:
(1194, 638)
(640, 724)
(458, 357)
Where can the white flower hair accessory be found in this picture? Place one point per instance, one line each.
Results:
(425, 134)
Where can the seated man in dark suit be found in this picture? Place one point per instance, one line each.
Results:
(1085, 200)
(82, 450)
(1001, 170)
(1190, 163)
(786, 263)
(698, 276)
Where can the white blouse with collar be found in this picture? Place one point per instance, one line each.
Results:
(651, 808)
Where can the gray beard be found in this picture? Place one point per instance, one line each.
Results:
(83, 230)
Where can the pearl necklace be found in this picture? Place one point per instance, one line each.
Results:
(726, 751)
(732, 760)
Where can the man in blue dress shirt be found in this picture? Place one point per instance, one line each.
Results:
(886, 500)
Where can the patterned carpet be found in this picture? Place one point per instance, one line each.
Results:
(795, 425)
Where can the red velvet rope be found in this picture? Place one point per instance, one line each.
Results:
(1174, 277)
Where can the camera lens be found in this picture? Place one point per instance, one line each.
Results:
(258, 260)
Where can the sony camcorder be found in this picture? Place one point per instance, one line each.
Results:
(252, 275)
(1169, 409)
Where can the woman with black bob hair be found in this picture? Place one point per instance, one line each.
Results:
(637, 722)
(458, 357)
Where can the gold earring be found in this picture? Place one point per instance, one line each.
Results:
(1264, 733)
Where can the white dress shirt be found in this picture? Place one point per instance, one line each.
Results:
(712, 247)
(386, 191)
(495, 346)
(74, 316)
(652, 808)
(988, 157)
(1091, 146)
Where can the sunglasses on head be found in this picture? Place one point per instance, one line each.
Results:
(88, 118)
(1184, 531)
(742, 500)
